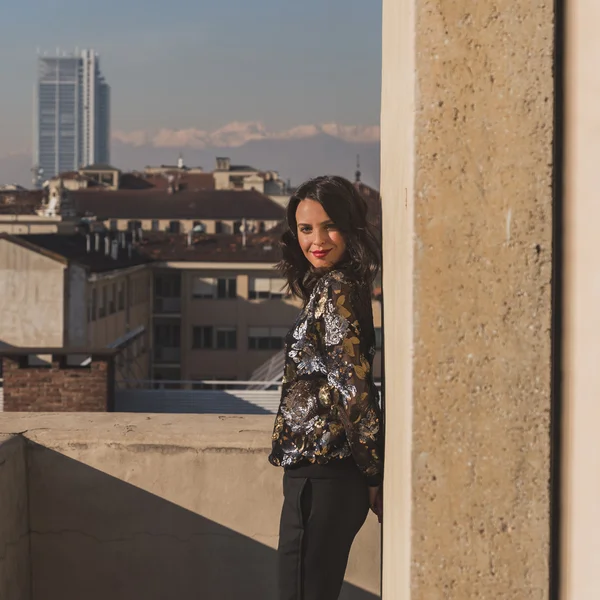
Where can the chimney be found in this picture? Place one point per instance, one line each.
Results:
(223, 163)
(180, 161)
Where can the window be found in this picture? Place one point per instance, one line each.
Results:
(266, 288)
(93, 306)
(112, 299)
(378, 338)
(202, 337)
(226, 338)
(168, 286)
(218, 226)
(227, 288)
(204, 287)
(155, 225)
(121, 295)
(103, 302)
(167, 342)
(114, 225)
(134, 225)
(266, 338)
(174, 227)
(199, 227)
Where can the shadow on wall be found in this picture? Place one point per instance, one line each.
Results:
(218, 402)
(94, 536)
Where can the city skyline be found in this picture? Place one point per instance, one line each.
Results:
(212, 66)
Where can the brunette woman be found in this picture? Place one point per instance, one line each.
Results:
(328, 431)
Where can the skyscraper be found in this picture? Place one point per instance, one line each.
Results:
(72, 114)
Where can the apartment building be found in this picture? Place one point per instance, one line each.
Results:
(244, 177)
(205, 211)
(220, 308)
(77, 291)
(18, 213)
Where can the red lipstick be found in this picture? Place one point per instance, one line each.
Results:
(321, 253)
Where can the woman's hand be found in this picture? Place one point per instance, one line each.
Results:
(376, 501)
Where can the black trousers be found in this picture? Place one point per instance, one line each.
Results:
(323, 509)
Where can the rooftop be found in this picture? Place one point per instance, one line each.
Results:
(160, 204)
(73, 248)
(99, 167)
(182, 180)
(211, 248)
(20, 202)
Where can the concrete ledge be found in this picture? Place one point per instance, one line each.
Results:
(157, 506)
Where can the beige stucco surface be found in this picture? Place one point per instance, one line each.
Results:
(14, 525)
(467, 179)
(160, 506)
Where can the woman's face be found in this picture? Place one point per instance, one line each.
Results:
(321, 241)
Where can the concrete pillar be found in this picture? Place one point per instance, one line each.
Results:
(581, 465)
(467, 113)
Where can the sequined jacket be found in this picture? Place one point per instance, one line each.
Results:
(329, 403)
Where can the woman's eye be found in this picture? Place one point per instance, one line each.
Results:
(304, 229)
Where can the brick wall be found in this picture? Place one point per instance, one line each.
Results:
(58, 387)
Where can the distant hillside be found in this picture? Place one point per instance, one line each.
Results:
(295, 159)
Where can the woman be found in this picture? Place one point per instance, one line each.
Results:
(328, 431)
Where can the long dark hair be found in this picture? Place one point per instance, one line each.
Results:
(348, 210)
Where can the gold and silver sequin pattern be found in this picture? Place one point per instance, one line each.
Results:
(329, 407)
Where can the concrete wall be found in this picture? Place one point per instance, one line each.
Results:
(580, 551)
(467, 112)
(15, 576)
(31, 297)
(160, 506)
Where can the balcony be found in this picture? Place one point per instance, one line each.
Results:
(146, 506)
(167, 354)
(167, 306)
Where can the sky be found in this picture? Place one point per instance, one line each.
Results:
(181, 64)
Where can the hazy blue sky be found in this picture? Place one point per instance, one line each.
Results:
(192, 63)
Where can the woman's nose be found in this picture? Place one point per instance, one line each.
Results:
(320, 237)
